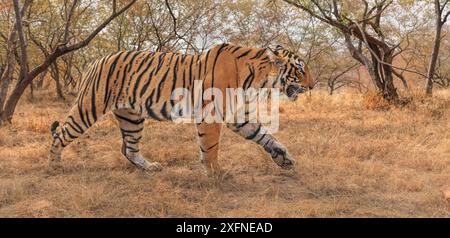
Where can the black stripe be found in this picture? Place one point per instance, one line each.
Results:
(117, 97)
(239, 126)
(160, 62)
(135, 122)
(107, 101)
(199, 68)
(184, 76)
(215, 61)
(206, 62)
(164, 111)
(258, 54)
(90, 78)
(133, 58)
(60, 140)
(244, 54)
(174, 79)
(145, 87)
(161, 83)
(265, 60)
(70, 135)
(148, 105)
(87, 118)
(126, 56)
(144, 61)
(97, 82)
(132, 150)
(139, 78)
(190, 71)
(80, 112)
(252, 136)
(261, 138)
(63, 130)
(67, 125)
(131, 131)
(93, 93)
(133, 142)
(203, 150)
(131, 63)
(264, 83)
(236, 49)
(265, 145)
(80, 130)
(112, 67)
(249, 80)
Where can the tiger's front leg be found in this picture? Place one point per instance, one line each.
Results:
(255, 132)
(131, 126)
(209, 138)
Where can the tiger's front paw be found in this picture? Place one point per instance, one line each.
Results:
(145, 165)
(153, 167)
(282, 158)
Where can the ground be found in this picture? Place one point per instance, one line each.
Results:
(351, 162)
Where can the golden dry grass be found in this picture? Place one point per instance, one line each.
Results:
(351, 162)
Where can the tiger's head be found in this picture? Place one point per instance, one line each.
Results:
(293, 75)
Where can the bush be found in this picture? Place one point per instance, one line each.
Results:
(374, 101)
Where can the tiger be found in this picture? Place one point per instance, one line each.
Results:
(137, 85)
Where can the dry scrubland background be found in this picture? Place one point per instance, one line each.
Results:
(353, 159)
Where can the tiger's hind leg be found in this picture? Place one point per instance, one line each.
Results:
(131, 126)
(76, 123)
(209, 138)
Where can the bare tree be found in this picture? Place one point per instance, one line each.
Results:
(338, 78)
(10, 63)
(440, 19)
(361, 34)
(26, 76)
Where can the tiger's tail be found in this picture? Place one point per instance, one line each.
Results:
(53, 128)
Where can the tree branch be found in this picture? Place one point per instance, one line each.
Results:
(63, 49)
(22, 41)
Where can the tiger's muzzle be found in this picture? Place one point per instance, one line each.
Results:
(292, 91)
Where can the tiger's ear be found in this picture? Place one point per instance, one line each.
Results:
(279, 47)
(275, 56)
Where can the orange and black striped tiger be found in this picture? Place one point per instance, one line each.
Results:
(136, 85)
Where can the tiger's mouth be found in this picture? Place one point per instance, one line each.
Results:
(292, 91)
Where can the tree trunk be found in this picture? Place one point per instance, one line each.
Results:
(31, 91)
(434, 56)
(330, 86)
(12, 101)
(26, 77)
(4, 83)
(40, 82)
(57, 79)
(389, 91)
(381, 73)
(68, 79)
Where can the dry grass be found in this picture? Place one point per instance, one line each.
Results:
(351, 162)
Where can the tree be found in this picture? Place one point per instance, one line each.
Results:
(10, 49)
(26, 76)
(338, 76)
(440, 19)
(364, 36)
